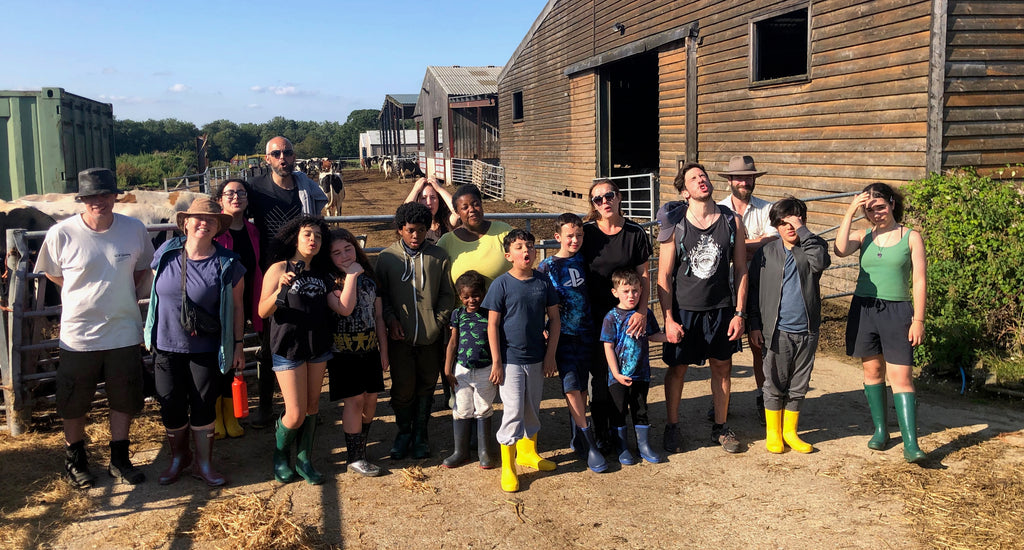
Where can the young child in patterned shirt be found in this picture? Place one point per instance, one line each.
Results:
(629, 367)
(468, 368)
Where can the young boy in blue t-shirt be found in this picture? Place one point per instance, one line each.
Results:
(517, 303)
(629, 366)
(565, 269)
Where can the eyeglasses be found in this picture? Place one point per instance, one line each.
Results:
(232, 194)
(286, 152)
(601, 199)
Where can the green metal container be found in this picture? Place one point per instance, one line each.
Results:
(47, 137)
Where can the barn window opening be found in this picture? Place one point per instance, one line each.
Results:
(437, 134)
(517, 106)
(779, 47)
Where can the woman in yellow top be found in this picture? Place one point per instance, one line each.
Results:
(476, 244)
(886, 318)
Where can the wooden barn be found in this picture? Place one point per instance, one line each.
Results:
(395, 115)
(827, 95)
(457, 110)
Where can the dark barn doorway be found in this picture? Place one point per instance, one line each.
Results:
(628, 117)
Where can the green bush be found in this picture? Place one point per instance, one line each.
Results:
(973, 228)
(149, 169)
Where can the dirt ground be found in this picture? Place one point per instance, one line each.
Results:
(841, 496)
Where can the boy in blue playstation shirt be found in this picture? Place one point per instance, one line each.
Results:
(629, 367)
(565, 269)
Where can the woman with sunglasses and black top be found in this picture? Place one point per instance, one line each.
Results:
(610, 242)
(278, 196)
(887, 311)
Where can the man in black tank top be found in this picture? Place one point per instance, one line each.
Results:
(704, 320)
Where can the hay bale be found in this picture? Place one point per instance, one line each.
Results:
(252, 522)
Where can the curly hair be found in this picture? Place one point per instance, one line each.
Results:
(472, 280)
(342, 234)
(412, 212)
(287, 238)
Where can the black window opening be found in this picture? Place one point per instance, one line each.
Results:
(517, 106)
(780, 49)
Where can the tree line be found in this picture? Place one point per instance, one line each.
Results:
(226, 139)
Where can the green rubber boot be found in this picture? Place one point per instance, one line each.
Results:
(304, 456)
(906, 414)
(284, 437)
(879, 415)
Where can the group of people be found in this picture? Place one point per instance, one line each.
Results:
(458, 296)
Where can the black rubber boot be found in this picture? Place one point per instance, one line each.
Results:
(460, 454)
(76, 465)
(403, 418)
(121, 467)
(355, 444)
(420, 437)
(671, 440)
(486, 444)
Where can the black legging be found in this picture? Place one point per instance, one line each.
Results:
(187, 387)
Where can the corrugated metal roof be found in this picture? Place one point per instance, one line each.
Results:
(404, 99)
(458, 80)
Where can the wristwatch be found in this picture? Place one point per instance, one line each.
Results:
(740, 314)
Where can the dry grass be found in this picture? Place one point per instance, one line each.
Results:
(252, 522)
(47, 511)
(980, 506)
(414, 480)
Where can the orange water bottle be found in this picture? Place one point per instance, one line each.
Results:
(240, 397)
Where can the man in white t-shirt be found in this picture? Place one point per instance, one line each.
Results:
(742, 174)
(98, 259)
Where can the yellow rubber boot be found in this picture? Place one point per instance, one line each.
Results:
(231, 425)
(526, 455)
(773, 431)
(218, 424)
(509, 478)
(789, 422)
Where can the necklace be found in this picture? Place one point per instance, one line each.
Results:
(878, 243)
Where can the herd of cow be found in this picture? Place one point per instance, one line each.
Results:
(403, 168)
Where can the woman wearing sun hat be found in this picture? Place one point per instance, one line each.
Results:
(189, 364)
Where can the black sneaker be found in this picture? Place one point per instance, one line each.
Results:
(726, 438)
(76, 466)
(760, 409)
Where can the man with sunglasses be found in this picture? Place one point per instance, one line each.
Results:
(278, 197)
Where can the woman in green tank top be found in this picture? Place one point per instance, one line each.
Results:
(888, 302)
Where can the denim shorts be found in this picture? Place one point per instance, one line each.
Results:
(282, 364)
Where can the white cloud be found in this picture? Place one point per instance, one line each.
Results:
(289, 90)
(178, 88)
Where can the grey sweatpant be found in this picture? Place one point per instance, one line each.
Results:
(520, 396)
(788, 361)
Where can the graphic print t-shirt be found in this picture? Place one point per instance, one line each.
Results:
(473, 349)
(568, 276)
(706, 287)
(271, 207)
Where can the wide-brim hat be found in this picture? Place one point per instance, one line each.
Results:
(206, 207)
(741, 165)
(96, 181)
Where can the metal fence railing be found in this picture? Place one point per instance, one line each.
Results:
(639, 195)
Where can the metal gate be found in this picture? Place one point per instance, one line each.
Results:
(639, 195)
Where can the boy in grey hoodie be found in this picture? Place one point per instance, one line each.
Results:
(415, 279)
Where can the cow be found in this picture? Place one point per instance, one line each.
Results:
(334, 188)
(326, 166)
(408, 168)
(387, 166)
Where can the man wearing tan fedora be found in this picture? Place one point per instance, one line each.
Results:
(742, 174)
(98, 258)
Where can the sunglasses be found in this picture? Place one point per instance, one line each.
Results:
(601, 199)
(232, 194)
(279, 153)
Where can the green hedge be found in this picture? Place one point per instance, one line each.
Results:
(973, 227)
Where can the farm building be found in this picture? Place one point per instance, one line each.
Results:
(458, 112)
(827, 95)
(370, 143)
(395, 115)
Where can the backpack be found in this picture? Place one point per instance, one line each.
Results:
(673, 214)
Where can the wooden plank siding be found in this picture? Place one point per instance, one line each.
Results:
(861, 116)
(983, 111)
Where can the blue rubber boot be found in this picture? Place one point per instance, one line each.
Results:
(643, 445)
(626, 457)
(595, 460)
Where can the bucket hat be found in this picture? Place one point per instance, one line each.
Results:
(206, 207)
(96, 181)
(741, 165)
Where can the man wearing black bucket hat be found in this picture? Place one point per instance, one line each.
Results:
(97, 258)
(742, 174)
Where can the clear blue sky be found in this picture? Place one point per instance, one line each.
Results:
(249, 61)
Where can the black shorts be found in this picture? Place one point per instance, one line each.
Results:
(80, 371)
(573, 359)
(880, 327)
(705, 336)
(351, 374)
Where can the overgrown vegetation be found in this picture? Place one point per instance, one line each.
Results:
(149, 169)
(973, 228)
